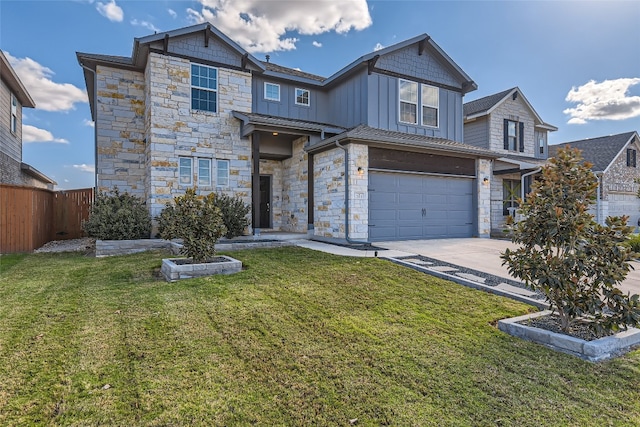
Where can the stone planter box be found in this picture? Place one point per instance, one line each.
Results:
(593, 351)
(173, 272)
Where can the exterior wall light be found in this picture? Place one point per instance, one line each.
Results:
(360, 171)
(485, 181)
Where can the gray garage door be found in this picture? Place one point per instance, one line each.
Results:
(410, 206)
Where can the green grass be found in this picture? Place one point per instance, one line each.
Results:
(297, 338)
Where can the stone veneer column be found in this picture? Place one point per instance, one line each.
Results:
(329, 191)
(484, 170)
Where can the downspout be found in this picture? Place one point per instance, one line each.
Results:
(346, 197)
(95, 124)
(598, 203)
(522, 181)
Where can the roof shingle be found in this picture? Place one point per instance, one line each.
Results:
(485, 103)
(600, 151)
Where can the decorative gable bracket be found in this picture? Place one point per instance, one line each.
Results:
(371, 64)
(422, 45)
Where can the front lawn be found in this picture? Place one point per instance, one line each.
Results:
(298, 338)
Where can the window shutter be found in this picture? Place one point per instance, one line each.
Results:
(521, 136)
(628, 157)
(633, 159)
(506, 134)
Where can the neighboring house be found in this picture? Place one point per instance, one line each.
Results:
(614, 160)
(373, 152)
(507, 124)
(13, 97)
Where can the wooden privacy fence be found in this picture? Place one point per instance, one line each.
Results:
(31, 217)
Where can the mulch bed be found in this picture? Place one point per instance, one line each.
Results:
(551, 323)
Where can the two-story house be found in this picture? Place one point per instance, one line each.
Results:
(507, 124)
(614, 160)
(373, 152)
(13, 97)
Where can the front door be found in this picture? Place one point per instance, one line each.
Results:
(265, 201)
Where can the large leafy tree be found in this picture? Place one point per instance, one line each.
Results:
(575, 262)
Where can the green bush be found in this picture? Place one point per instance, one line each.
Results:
(234, 214)
(118, 216)
(576, 262)
(197, 221)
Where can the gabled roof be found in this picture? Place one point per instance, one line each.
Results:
(486, 105)
(601, 151)
(12, 80)
(367, 134)
(423, 40)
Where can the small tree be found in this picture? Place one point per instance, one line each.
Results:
(566, 255)
(234, 214)
(197, 221)
(118, 216)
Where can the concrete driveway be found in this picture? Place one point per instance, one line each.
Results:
(481, 255)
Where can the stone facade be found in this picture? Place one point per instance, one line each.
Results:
(295, 190)
(483, 170)
(175, 130)
(619, 189)
(120, 130)
(516, 110)
(329, 193)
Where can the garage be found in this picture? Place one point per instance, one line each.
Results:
(406, 206)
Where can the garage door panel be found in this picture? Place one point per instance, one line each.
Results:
(397, 212)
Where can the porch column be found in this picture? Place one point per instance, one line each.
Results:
(484, 172)
(255, 183)
(310, 201)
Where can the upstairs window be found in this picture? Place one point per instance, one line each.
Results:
(204, 88)
(513, 135)
(222, 178)
(302, 97)
(631, 157)
(14, 114)
(272, 92)
(408, 102)
(541, 145)
(430, 103)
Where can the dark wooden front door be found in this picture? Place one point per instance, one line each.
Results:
(265, 202)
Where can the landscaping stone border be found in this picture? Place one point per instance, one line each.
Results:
(173, 272)
(593, 351)
(106, 248)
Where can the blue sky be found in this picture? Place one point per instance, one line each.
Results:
(577, 62)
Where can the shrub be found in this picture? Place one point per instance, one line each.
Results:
(197, 221)
(576, 262)
(118, 216)
(234, 214)
(634, 242)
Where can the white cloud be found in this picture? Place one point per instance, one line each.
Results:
(47, 94)
(111, 11)
(145, 24)
(316, 44)
(172, 13)
(261, 26)
(85, 168)
(89, 123)
(34, 134)
(378, 47)
(606, 100)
